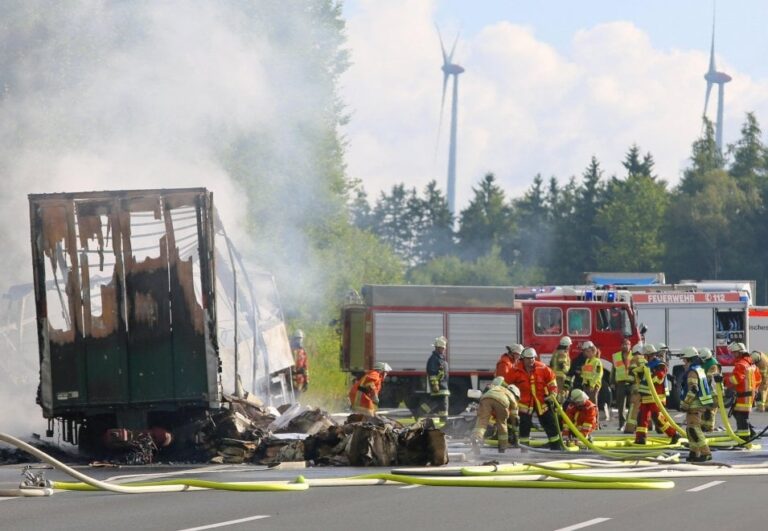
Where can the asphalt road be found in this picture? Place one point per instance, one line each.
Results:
(730, 502)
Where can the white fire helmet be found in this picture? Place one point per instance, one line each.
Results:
(689, 352)
(578, 396)
(705, 353)
(566, 341)
(737, 347)
(441, 342)
(530, 352)
(381, 366)
(515, 390)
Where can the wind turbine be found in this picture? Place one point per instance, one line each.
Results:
(720, 79)
(450, 69)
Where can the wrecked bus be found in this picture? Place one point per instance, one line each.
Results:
(126, 306)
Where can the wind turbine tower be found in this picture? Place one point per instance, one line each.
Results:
(451, 69)
(714, 77)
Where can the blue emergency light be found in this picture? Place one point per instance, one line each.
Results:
(611, 296)
(588, 295)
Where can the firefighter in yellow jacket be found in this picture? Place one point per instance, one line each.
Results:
(761, 362)
(696, 397)
(635, 369)
(499, 400)
(591, 372)
(560, 362)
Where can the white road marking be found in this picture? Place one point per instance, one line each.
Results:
(5, 499)
(583, 524)
(410, 486)
(228, 522)
(705, 486)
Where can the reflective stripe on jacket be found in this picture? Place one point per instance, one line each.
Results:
(534, 387)
(621, 367)
(584, 418)
(560, 362)
(744, 380)
(658, 377)
(696, 391)
(592, 372)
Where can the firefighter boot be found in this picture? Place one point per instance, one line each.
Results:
(513, 440)
(502, 446)
(674, 439)
(557, 445)
(640, 439)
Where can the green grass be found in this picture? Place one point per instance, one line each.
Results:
(328, 385)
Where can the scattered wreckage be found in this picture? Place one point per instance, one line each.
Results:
(135, 367)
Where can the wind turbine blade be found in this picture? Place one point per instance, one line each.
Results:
(706, 98)
(442, 46)
(453, 48)
(442, 109)
(712, 67)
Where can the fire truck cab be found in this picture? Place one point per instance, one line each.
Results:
(398, 324)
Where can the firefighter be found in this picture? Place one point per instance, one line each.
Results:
(300, 363)
(591, 372)
(621, 378)
(500, 401)
(364, 394)
(711, 367)
(761, 362)
(648, 407)
(744, 380)
(695, 398)
(538, 391)
(437, 379)
(560, 362)
(573, 379)
(637, 361)
(582, 412)
(508, 360)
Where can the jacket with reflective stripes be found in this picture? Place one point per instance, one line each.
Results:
(534, 387)
(658, 377)
(592, 372)
(503, 396)
(584, 418)
(744, 379)
(621, 367)
(560, 362)
(695, 390)
(437, 373)
(364, 390)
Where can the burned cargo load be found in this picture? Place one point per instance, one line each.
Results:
(126, 303)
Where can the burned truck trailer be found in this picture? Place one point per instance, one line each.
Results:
(127, 336)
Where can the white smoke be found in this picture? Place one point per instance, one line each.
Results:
(101, 95)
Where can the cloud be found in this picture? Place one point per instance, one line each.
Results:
(525, 107)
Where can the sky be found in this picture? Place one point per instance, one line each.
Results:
(547, 86)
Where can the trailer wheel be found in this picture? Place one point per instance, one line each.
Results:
(673, 400)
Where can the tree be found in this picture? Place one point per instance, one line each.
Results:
(486, 222)
(534, 226)
(434, 230)
(632, 225)
(705, 158)
(395, 218)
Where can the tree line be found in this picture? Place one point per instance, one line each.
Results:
(711, 225)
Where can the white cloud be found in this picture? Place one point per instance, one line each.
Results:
(524, 106)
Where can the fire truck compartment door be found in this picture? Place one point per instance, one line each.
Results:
(691, 326)
(405, 339)
(656, 321)
(476, 340)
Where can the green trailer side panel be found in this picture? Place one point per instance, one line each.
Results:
(107, 367)
(189, 365)
(68, 364)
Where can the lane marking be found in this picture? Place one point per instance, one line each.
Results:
(228, 522)
(3, 498)
(583, 524)
(705, 486)
(410, 486)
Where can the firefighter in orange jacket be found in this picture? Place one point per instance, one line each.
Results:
(300, 363)
(582, 412)
(538, 389)
(508, 361)
(744, 380)
(364, 394)
(648, 407)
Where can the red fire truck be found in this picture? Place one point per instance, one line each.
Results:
(398, 324)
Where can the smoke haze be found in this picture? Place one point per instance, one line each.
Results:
(100, 95)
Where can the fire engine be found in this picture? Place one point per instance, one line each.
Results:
(398, 324)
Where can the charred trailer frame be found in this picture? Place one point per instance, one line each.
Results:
(127, 337)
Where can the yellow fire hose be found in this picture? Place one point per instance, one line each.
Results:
(657, 401)
(514, 483)
(724, 417)
(615, 454)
